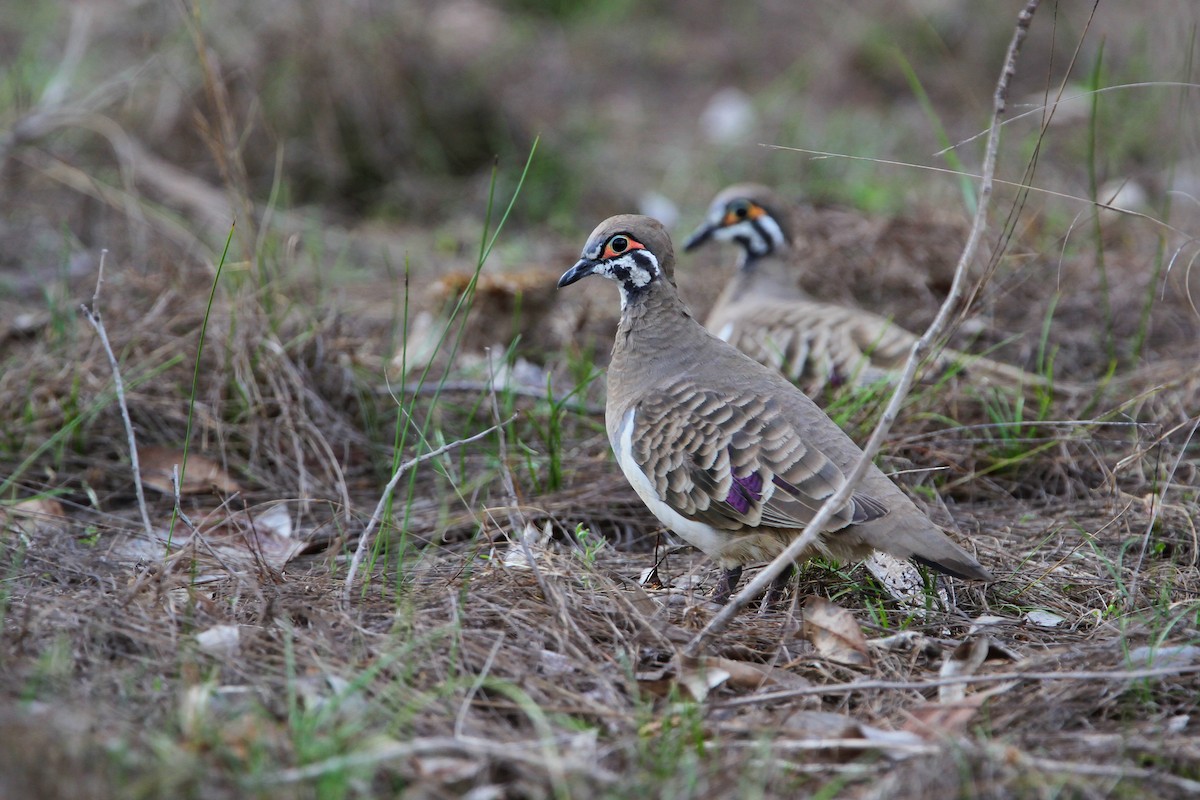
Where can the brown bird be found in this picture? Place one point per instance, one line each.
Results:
(724, 451)
(763, 312)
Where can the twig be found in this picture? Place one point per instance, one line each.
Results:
(816, 526)
(93, 318)
(1116, 771)
(997, 677)
(365, 537)
(196, 535)
(515, 518)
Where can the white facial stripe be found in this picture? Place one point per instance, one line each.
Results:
(759, 237)
(639, 276)
(774, 232)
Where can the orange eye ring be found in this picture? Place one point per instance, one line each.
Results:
(740, 211)
(619, 245)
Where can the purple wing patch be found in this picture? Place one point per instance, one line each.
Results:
(745, 491)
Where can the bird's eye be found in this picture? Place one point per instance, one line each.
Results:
(618, 244)
(741, 209)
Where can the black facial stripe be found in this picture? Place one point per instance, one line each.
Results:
(645, 260)
(763, 236)
(631, 282)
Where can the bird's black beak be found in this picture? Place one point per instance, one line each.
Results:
(583, 267)
(700, 236)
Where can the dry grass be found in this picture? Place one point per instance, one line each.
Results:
(503, 642)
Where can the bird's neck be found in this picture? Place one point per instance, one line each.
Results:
(650, 330)
(771, 276)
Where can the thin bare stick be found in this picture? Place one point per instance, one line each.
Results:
(93, 318)
(816, 527)
(516, 519)
(933, 683)
(391, 486)
(1113, 771)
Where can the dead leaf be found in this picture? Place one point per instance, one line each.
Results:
(276, 521)
(27, 515)
(835, 633)
(904, 641)
(699, 676)
(219, 640)
(203, 475)
(249, 538)
(746, 675)
(966, 659)
(699, 679)
(518, 554)
(822, 725)
(939, 720)
(1044, 619)
(902, 580)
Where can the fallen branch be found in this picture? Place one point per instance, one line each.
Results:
(816, 527)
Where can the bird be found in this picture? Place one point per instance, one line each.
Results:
(764, 313)
(724, 451)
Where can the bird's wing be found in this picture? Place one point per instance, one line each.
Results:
(736, 462)
(818, 343)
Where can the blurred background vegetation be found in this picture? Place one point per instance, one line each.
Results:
(394, 113)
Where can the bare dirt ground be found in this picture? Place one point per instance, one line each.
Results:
(516, 627)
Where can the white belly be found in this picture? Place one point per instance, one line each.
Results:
(701, 536)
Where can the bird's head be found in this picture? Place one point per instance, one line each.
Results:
(633, 251)
(746, 214)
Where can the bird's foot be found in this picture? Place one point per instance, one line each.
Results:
(778, 590)
(726, 585)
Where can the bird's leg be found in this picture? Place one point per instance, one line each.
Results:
(726, 585)
(779, 586)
